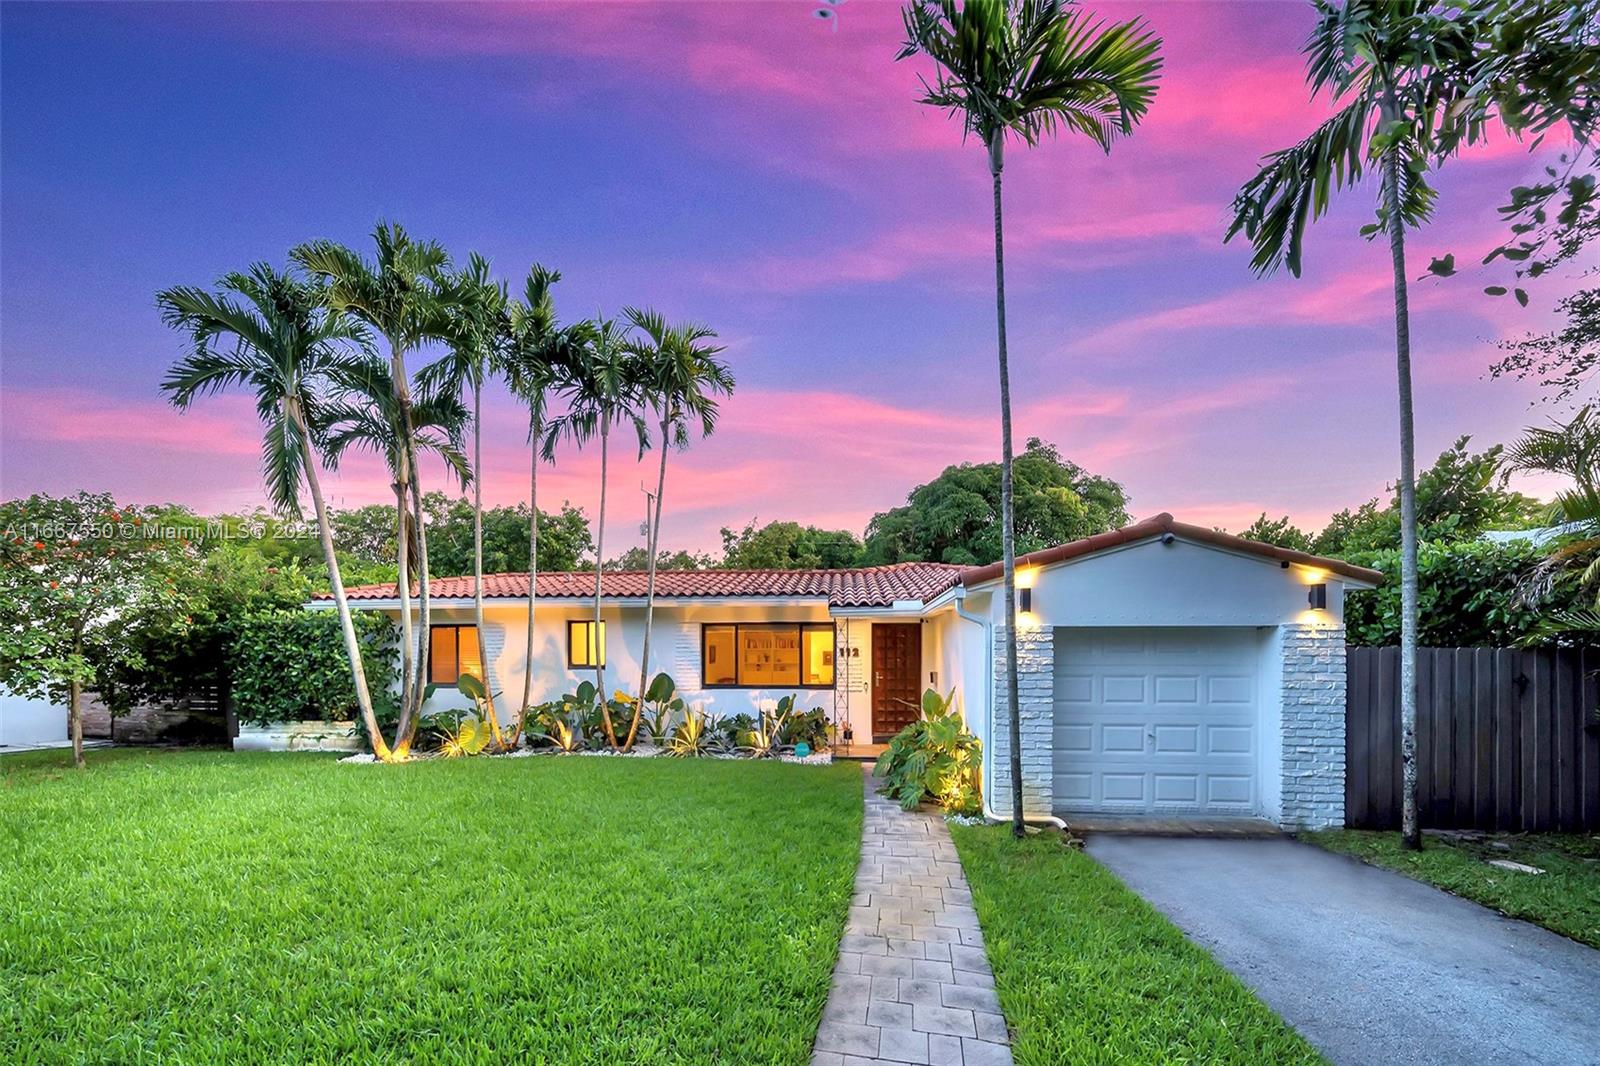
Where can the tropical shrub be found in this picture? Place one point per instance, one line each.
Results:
(805, 727)
(661, 705)
(763, 740)
(933, 758)
(731, 729)
(290, 665)
(697, 735)
(470, 737)
(1470, 594)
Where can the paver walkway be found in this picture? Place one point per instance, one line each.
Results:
(913, 983)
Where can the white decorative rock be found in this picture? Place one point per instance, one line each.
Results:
(298, 736)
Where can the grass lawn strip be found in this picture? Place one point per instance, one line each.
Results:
(1090, 973)
(220, 907)
(1564, 899)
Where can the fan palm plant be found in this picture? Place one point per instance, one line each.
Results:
(477, 309)
(1572, 451)
(680, 379)
(535, 352)
(270, 332)
(1024, 69)
(1416, 82)
(402, 295)
(601, 389)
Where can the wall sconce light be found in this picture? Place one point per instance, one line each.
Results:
(1025, 600)
(1317, 596)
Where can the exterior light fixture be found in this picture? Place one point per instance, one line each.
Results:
(1317, 596)
(1025, 600)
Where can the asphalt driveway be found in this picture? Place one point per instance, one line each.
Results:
(1371, 966)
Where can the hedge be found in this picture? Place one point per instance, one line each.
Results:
(290, 665)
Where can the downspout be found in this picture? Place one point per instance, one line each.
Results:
(988, 703)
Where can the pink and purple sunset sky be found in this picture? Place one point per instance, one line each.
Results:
(741, 165)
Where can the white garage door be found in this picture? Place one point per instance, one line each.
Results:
(1159, 721)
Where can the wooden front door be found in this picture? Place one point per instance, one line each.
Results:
(896, 673)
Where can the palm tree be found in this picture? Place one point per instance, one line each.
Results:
(363, 414)
(1417, 83)
(534, 351)
(401, 295)
(476, 307)
(601, 389)
(1025, 68)
(679, 378)
(271, 333)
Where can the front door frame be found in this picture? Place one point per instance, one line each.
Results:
(888, 715)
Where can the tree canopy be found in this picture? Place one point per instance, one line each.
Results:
(788, 546)
(955, 518)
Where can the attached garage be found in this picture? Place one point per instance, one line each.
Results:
(1157, 721)
(1168, 670)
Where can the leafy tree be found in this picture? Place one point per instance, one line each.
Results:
(83, 588)
(403, 294)
(788, 546)
(1415, 83)
(636, 559)
(366, 534)
(679, 379)
(1461, 496)
(563, 537)
(270, 333)
(1024, 68)
(956, 518)
(1563, 362)
(1280, 531)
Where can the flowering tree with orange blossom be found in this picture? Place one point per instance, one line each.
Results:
(82, 583)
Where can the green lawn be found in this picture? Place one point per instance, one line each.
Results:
(1089, 973)
(1565, 898)
(206, 906)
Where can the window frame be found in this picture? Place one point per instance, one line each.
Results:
(433, 648)
(600, 645)
(799, 627)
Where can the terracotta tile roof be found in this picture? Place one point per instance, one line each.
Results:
(1165, 523)
(871, 586)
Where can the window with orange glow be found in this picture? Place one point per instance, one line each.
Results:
(453, 651)
(767, 655)
(582, 649)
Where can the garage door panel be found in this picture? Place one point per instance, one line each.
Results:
(1156, 721)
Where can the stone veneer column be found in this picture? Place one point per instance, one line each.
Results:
(1313, 726)
(1035, 680)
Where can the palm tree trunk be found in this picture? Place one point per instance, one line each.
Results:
(653, 542)
(1410, 830)
(347, 626)
(1007, 524)
(75, 702)
(533, 571)
(477, 562)
(425, 635)
(408, 667)
(599, 565)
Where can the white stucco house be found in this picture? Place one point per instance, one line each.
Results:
(1165, 669)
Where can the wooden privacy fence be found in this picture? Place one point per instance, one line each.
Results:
(1506, 738)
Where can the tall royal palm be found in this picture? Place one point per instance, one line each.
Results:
(600, 386)
(401, 294)
(1026, 68)
(679, 379)
(476, 307)
(271, 333)
(534, 352)
(1416, 82)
